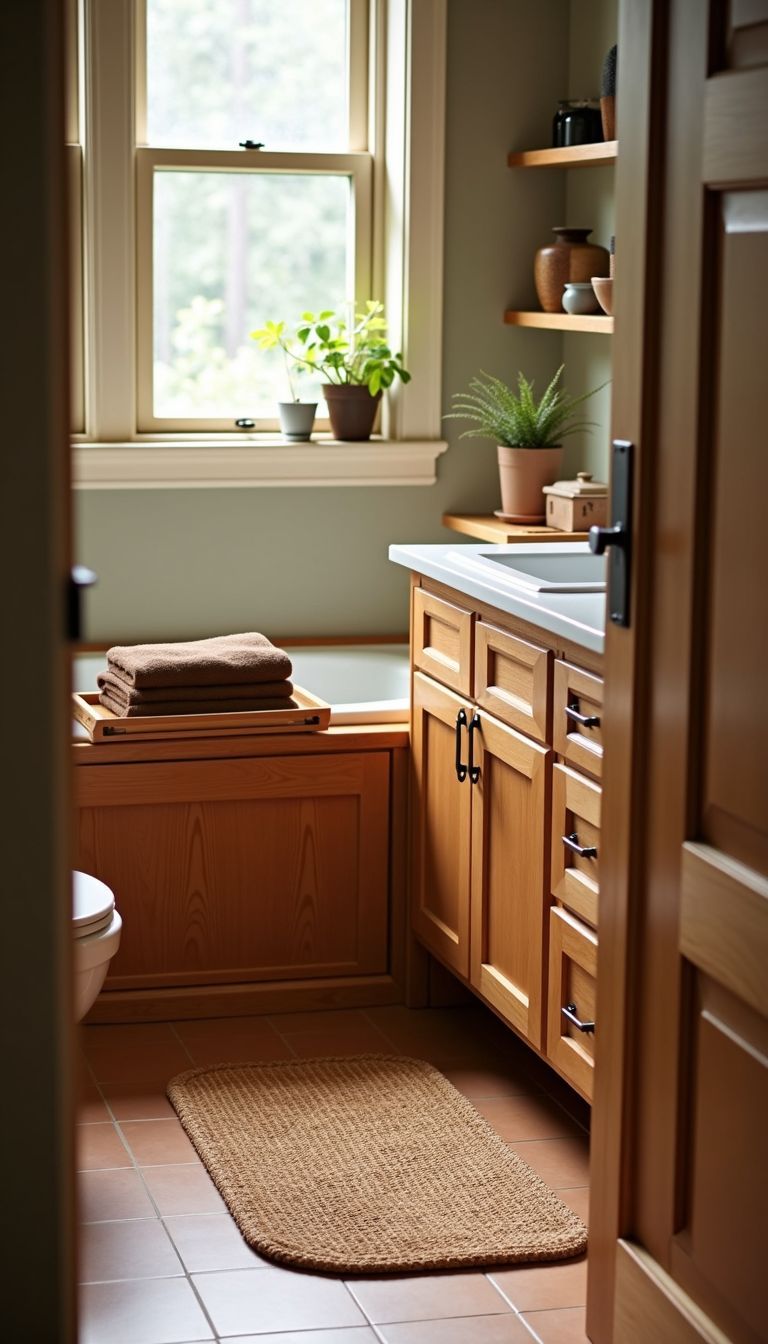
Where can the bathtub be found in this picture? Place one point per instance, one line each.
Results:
(364, 683)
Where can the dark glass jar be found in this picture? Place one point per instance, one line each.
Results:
(578, 122)
(557, 123)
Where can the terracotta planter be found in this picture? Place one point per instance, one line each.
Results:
(352, 410)
(523, 473)
(569, 258)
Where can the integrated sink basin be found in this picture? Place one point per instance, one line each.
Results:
(560, 573)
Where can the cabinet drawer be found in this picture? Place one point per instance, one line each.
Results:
(442, 640)
(578, 710)
(512, 679)
(576, 826)
(572, 986)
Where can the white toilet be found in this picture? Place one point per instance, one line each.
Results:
(96, 928)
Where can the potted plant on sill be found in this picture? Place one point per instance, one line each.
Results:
(296, 416)
(353, 358)
(528, 433)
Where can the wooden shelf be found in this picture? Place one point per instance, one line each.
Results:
(559, 321)
(575, 156)
(486, 527)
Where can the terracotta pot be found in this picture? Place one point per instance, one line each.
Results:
(569, 258)
(352, 410)
(523, 473)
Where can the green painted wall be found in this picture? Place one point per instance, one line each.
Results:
(186, 563)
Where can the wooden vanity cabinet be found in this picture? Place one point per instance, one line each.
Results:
(500, 892)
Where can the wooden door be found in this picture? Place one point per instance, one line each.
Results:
(510, 831)
(440, 824)
(679, 1152)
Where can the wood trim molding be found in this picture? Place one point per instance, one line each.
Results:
(179, 465)
(712, 882)
(734, 115)
(650, 1305)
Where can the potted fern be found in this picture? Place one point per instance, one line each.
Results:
(352, 356)
(528, 432)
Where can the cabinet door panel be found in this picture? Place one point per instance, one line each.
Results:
(578, 693)
(442, 640)
(512, 679)
(509, 807)
(572, 985)
(441, 822)
(576, 817)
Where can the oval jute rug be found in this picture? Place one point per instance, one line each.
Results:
(367, 1164)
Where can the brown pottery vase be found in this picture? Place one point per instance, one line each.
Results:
(523, 473)
(351, 410)
(569, 258)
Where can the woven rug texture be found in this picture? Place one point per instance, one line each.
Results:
(367, 1164)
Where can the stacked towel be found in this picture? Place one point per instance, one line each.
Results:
(226, 674)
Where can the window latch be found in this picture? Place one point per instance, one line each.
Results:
(251, 144)
(245, 423)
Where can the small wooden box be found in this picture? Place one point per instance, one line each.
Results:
(575, 506)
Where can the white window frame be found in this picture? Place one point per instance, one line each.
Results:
(405, 114)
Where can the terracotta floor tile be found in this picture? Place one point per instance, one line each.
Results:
(488, 1081)
(518, 1118)
(362, 1334)
(199, 1029)
(99, 1146)
(90, 1108)
(543, 1287)
(207, 1053)
(208, 1241)
(134, 1101)
(577, 1198)
(157, 1143)
(150, 1063)
(182, 1189)
(112, 1194)
(426, 1297)
(262, 1300)
(145, 1311)
(560, 1162)
(334, 1019)
(506, 1329)
(558, 1327)
(132, 1034)
(140, 1249)
(362, 1040)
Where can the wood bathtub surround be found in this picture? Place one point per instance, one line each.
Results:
(496, 895)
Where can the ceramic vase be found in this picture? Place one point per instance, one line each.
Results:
(569, 258)
(352, 410)
(296, 419)
(523, 473)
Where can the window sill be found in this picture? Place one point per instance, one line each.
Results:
(179, 464)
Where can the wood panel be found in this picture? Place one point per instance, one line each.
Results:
(509, 825)
(576, 803)
(731, 949)
(512, 680)
(569, 156)
(440, 833)
(242, 870)
(651, 1306)
(559, 322)
(580, 744)
(486, 527)
(442, 640)
(572, 982)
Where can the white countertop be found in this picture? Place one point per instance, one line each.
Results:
(579, 617)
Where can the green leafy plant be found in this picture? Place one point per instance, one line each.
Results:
(515, 418)
(341, 350)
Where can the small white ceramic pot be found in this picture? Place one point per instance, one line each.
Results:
(296, 419)
(579, 298)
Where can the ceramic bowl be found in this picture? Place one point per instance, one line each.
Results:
(603, 287)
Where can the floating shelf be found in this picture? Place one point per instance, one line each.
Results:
(486, 527)
(575, 156)
(559, 322)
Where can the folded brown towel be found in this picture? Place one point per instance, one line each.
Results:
(225, 659)
(188, 707)
(122, 690)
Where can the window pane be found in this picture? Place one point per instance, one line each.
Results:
(222, 71)
(231, 252)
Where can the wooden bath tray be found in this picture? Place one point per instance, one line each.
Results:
(309, 715)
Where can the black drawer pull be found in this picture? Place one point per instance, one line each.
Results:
(584, 851)
(474, 770)
(586, 720)
(461, 769)
(570, 1013)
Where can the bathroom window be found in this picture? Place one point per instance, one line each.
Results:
(192, 241)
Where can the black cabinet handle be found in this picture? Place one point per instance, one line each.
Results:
(80, 578)
(570, 1013)
(586, 720)
(474, 770)
(584, 851)
(461, 769)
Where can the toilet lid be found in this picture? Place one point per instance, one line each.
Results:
(92, 904)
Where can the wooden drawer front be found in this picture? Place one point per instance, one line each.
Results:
(576, 817)
(512, 680)
(572, 984)
(582, 693)
(442, 641)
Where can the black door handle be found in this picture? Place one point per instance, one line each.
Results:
(474, 770)
(461, 769)
(570, 1013)
(80, 578)
(617, 539)
(600, 538)
(585, 851)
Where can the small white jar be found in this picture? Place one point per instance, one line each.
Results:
(579, 298)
